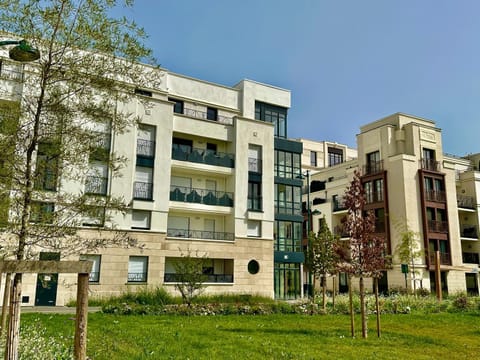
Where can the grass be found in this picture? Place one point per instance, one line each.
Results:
(404, 336)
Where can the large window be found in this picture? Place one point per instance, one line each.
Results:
(254, 196)
(137, 268)
(335, 156)
(254, 158)
(46, 167)
(287, 165)
(273, 114)
(288, 199)
(288, 236)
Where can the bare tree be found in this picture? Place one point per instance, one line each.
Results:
(71, 103)
(366, 256)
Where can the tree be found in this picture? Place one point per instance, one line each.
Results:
(366, 251)
(321, 256)
(409, 251)
(72, 102)
(189, 274)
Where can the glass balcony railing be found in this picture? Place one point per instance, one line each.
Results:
(201, 196)
(200, 234)
(210, 278)
(468, 231)
(204, 156)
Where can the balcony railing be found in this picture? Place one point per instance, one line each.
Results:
(373, 167)
(10, 71)
(202, 156)
(438, 226)
(200, 234)
(444, 258)
(96, 185)
(339, 204)
(201, 196)
(430, 164)
(468, 231)
(466, 202)
(471, 258)
(374, 197)
(435, 195)
(211, 278)
(197, 114)
(142, 190)
(137, 277)
(254, 165)
(146, 148)
(254, 203)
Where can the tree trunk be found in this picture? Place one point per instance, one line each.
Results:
(13, 336)
(377, 307)
(324, 292)
(363, 310)
(350, 303)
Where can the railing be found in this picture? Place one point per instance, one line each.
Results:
(7, 71)
(444, 258)
(101, 140)
(202, 156)
(435, 195)
(96, 185)
(200, 196)
(94, 276)
(254, 203)
(466, 202)
(137, 277)
(438, 226)
(200, 234)
(468, 231)
(430, 164)
(471, 258)
(211, 278)
(255, 165)
(146, 148)
(204, 116)
(373, 197)
(142, 190)
(339, 204)
(373, 167)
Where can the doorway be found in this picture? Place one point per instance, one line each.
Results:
(46, 291)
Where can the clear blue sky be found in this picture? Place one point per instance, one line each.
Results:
(347, 62)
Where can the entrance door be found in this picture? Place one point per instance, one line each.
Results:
(46, 294)
(472, 284)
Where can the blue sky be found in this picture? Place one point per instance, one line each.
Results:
(347, 62)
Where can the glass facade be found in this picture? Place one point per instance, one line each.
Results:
(287, 165)
(288, 236)
(287, 281)
(273, 114)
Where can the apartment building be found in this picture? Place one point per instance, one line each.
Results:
(209, 171)
(408, 180)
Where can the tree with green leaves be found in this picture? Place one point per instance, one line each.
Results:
(321, 256)
(72, 103)
(189, 275)
(409, 250)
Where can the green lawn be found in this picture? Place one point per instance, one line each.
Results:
(413, 336)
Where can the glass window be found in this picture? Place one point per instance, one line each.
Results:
(95, 273)
(274, 114)
(137, 268)
(254, 196)
(141, 219)
(212, 114)
(335, 156)
(254, 228)
(42, 212)
(313, 158)
(178, 106)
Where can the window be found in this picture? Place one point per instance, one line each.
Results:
(143, 185)
(95, 273)
(97, 179)
(288, 236)
(146, 141)
(47, 167)
(254, 158)
(273, 114)
(254, 228)
(177, 106)
(335, 156)
(287, 164)
(253, 267)
(141, 219)
(143, 92)
(42, 212)
(254, 196)
(288, 199)
(94, 216)
(212, 114)
(137, 268)
(313, 158)
(178, 226)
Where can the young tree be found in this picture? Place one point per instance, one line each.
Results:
(71, 103)
(189, 274)
(366, 252)
(409, 251)
(321, 256)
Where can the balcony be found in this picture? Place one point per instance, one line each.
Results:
(137, 277)
(200, 234)
(466, 202)
(438, 226)
(430, 165)
(142, 190)
(210, 278)
(203, 115)
(145, 148)
(96, 185)
(204, 156)
(201, 196)
(339, 204)
(468, 231)
(255, 165)
(444, 258)
(471, 258)
(374, 197)
(435, 195)
(372, 168)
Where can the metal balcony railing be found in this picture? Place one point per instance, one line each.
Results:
(10, 70)
(339, 204)
(438, 226)
(200, 196)
(466, 202)
(471, 258)
(468, 231)
(146, 148)
(435, 195)
(197, 114)
(430, 164)
(200, 234)
(210, 278)
(142, 190)
(444, 258)
(96, 185)
(373, 167)
(137, 277)
(208, 157)
(255, 165)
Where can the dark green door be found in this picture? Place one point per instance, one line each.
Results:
(46, 294)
